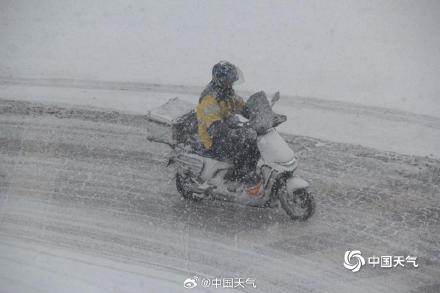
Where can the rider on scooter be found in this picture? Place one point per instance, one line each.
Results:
(218, 128)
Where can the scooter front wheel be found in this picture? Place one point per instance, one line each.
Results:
(183, 185)
(298, 204)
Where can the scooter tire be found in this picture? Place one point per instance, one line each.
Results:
(182, 183)
(298, 204)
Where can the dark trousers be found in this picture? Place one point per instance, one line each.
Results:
(242, 152)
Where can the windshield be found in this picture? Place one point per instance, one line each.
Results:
(260, 112)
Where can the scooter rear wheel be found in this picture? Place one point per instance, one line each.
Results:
(298, 204)
(183, 183)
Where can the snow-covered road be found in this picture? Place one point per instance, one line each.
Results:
(88, 205)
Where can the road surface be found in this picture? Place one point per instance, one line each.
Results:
(87, 204)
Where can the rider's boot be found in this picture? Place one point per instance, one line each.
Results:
(253, 182)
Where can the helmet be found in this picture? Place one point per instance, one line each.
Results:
(225, 72)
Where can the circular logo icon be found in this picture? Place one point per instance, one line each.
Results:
(353, 260)
(190, 283)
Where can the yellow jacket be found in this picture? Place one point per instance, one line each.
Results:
(210, 110)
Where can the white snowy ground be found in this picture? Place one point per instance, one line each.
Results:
(87, 205)
(41, 268)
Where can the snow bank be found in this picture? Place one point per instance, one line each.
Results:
(379, 128)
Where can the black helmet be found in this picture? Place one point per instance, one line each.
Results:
(224, 72)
